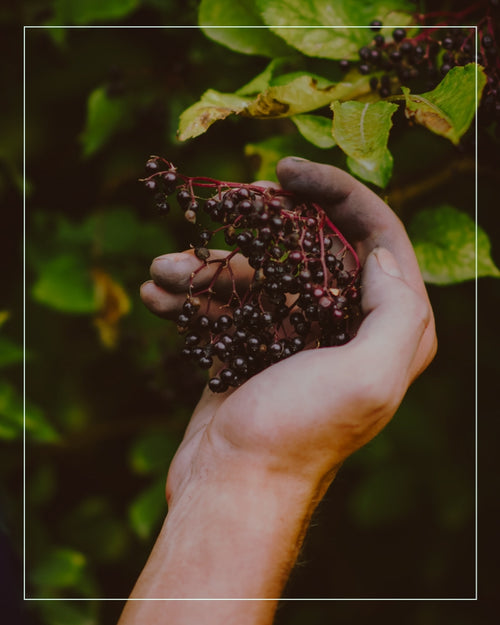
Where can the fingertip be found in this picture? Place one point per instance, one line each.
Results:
(161, 302)
(289, 171)
(150, 294)
(387, 262)
(381, 275)
(143, 289)
(173, 270)
(289, 163)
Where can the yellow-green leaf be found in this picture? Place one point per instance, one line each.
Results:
(260, 41)
(316, 129)
(11, 353)
(65, 284)
(321, 24)
(213, 106)
(362, 131)
(62, 568)
(105, 117)
(444, 239)
(14, 418)
(299, 94)
(153, 452)
(147, 510)
(449, 109)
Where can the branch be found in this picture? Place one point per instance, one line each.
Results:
(400, 196)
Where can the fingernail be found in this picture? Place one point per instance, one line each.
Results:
(175, 261)
(387, 262)
(299, 159)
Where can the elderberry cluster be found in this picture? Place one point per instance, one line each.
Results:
(421, 59)
(304, 291)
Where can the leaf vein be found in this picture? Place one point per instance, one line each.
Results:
(434, 107)
(362, 125)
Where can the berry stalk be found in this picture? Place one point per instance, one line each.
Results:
(305, 287)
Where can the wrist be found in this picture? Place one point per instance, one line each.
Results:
(228, 535)
(249, 523)
(234, 529)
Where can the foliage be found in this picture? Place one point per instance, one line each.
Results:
(107, 397)
(444, 241)
(361, 120)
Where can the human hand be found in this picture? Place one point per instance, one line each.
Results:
(306, 414)
(255, 461)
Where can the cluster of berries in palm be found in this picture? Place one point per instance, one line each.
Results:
(304, 286)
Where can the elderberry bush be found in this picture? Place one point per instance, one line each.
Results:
(304, 291)
(423, 57)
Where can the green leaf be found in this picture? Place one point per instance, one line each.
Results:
(313, 17)
(89, 11)
(152, 452)
(213, 106)
(449, 109)
(316, 129)
(352, 87)
(118, 231)
(65, 284)
(92, 527)
(283, 80)
(445, 244)
(300, 95)
(105, 117)
(37, 426)
(62, 568)
(10, 353)
(263, 80)
(362, 131)
(68, 613)
(12, 417)
(302, 92)
(147, 510)
(259, 41)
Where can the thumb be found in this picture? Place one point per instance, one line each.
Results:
(396, 316)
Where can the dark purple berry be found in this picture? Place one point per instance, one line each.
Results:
(364, 53)
(487, 41)
(152, 163)
(448, 43)
(205, 362)
(216, 385)
(398, 34)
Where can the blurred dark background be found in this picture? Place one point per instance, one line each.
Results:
(108, 396)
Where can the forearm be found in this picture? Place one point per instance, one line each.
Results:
(233, 535)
